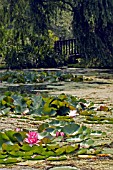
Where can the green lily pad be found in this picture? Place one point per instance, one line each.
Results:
(9, 148)
(9, 161)
(39, 157)
(60, 158)
(71, 128)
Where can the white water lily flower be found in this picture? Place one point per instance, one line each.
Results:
(25, 111)
(73, 113)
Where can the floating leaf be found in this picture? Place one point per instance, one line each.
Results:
(52, 146)
(81, 151)
(76, 139)
(43, 117)
(4, 139)
(49, 111)
(42, 127)
(45, 140)
(71, 128)
(58, 139)
(21, 153)
(86, 143)
(39, 157)
(9, 99)
(26, 147)
(5, 111)
(3, 102)
(8, 148)
(60, 158)
(19, 137)
(9, 161)
(70, 149)
(87, 112)
(103, 108)
(61, 150)
(107, 151)
(57, 123)
(48, 153)
(38, 150)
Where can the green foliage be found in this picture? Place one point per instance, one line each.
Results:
(41, 105)
(77, 139)
(38, 77)
(92, 27)
(62, 23)
(25, 41)
(13, 148)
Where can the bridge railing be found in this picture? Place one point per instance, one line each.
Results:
(66, 47)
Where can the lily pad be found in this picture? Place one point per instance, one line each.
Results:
(71, 128)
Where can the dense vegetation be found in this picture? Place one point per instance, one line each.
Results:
(28, 31)
(93, 28)
(55, 136)
(39, 126)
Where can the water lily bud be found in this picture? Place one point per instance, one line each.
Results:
(62, 134)
(57, 134)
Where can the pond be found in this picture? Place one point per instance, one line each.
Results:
(51, 81)
(90, 84)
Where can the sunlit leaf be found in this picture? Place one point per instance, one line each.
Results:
(9, 161)
(21, 153)
(70, 149)
(39, 157)
(58, 139)
(60, 158)
(8, 148)
(52, 146)
(48, 153)
(81, 151)
(5, 111)
(3, 156)
(60, 150)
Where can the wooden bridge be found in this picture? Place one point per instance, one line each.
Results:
(67, 48)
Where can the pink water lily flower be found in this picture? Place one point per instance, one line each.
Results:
(60, 134)
(32, 138)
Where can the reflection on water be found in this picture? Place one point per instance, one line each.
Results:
(47, 87)
(30, 88)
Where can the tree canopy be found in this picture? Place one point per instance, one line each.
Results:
(25, 25)
(93, 28)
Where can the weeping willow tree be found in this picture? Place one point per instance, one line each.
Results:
(24, 35)
(93, 29)
(24, 31)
